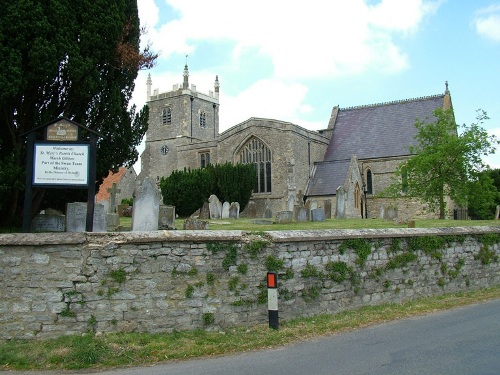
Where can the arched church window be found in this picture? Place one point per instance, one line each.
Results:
(369, 182)
(256, 152)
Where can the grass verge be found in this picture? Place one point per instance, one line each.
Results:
(135, 349)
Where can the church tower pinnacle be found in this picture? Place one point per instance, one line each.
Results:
(217, 86)
(185, 84)
(149, 83)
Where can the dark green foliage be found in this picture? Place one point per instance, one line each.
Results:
(401, 260)
(274, 264)
(77, 59)
(187, 190)
(429, 245)
(338, 271)
(361, 246)
(486, 255)
(234, 182)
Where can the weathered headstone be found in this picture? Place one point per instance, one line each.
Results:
(112, 221)
(317, 214)
(251, 210)
(328, 208)
(268, 213)
(391, 213)
(300, 214)
(147, 199)
(284, 217)
(166, 217)
(234, 210)
(195, 224)
(497, 214)
(112, 197)
(225, 210)
(48, 223)
(76, 214)
(340, 207)
(290, 203)
(215, 207)
(123, 210)
(204, 211)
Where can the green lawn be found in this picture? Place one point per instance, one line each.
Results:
(247, 225)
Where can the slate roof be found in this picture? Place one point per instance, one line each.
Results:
(370, 131)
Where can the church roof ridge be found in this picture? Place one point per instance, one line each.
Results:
(401, 101)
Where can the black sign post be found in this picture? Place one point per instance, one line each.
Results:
(61, 160)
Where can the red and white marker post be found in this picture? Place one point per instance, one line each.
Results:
(272, 299)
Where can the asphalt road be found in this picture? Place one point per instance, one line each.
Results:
(459, 341)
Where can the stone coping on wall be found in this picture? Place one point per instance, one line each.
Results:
(34, 239)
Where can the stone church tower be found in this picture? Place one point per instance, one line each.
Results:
(177, 119)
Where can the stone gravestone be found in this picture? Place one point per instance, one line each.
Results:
(284, 217)
(48, 223)
(340, 207)
(299, 209)
(300, 214)
(234, 210)
(328, 208)
(391, 213)
(147, 199)
(166, 217)
(112, 217)
(76, 217)
(225, 210)
(251, 210)
(215, 207)
(497, 214)
(317, 214)
(205, 211)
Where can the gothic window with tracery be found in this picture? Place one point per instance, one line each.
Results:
(256, 152)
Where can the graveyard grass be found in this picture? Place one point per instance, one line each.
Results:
(248, 225)
(121, 350)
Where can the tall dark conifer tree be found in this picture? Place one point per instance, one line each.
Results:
(77, 59)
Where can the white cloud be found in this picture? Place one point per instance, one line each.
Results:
(266, 99)
(487, 22)
(318, 39)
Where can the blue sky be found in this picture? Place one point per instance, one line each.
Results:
(294, 61)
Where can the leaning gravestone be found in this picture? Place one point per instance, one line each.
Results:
(225, 210)
(234, 210)
(215, 207)
(48, 223)
(284, 217)
(76, 215)
(166, 217)
(147, 199)
(205, 211)
(340, 208)
(317, 214)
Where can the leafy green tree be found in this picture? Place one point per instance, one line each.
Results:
(77, 59)
(187, 190)
(447, 162)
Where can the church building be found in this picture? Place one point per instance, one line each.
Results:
(341, 168)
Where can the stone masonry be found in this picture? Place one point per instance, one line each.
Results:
(57, 284)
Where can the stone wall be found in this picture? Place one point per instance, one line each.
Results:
(55, 284)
